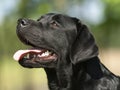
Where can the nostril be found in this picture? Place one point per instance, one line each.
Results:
(22, 22)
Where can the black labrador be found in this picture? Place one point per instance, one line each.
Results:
(67, 51)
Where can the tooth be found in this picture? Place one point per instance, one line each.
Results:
(47, 53)
(27, 56)
(43, 54)
(39, 55)
(34, 56)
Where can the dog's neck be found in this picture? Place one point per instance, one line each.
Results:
(59, 79)
(90, 69)
(52, 78)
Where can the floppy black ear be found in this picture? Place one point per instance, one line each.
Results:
(84, 47)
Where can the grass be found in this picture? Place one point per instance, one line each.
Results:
(15, 77)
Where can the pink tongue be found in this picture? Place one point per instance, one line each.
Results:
(19, 53)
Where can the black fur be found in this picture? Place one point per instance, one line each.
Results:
(77, 66)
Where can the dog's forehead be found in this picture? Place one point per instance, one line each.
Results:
(51, 16)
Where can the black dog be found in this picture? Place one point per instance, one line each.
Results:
(66, 49)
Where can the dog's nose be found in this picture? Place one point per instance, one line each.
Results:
(23, 22)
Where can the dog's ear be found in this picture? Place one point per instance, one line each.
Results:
(84, 46)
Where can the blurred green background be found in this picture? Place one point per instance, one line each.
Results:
(101, 16)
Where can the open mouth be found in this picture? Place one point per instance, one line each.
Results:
(43, 55)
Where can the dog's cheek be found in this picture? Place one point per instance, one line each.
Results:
(57, 39)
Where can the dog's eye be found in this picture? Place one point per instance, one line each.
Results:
(54, 23)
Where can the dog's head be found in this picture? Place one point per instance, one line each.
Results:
(54, 38)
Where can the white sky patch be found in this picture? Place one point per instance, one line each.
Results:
(5, 7)
(91, 11)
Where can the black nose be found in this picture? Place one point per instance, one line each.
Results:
(23, 22)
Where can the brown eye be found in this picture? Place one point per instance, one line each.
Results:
(54, 23)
